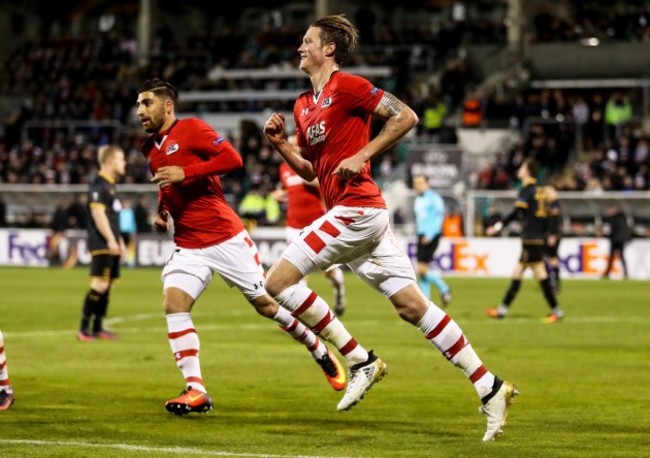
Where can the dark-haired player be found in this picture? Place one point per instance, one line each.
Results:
(186, 157)
(532, 208)
(554, 237)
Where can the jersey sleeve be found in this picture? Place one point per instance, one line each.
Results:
(360, 93)
(96, 196)
(520, 206)
(217, 153)
(524, 197)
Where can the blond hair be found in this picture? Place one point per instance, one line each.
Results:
(107, 152)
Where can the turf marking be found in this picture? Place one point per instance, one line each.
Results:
(142, 448)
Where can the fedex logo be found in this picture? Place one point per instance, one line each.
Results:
(458, 257)
(588, 258)
(26, 248)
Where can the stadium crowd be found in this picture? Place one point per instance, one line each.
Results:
(92, 78)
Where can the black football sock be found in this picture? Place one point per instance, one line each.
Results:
(512, 292)
(89, 308)
(548, 293)
(100, 312)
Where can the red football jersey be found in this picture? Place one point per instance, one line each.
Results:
(304, 201)
(202, 217)
(334, 125)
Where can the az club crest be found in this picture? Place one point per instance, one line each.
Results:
(171, 149)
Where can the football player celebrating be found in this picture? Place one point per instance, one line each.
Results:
(185, 157)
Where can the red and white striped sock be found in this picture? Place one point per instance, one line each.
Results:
(448, 338)
(5, 383)
(184, 342)
(313, 311)
(300, 332)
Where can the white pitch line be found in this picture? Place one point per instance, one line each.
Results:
(261, 325)
(141, 448)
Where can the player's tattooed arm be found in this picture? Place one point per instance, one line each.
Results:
(389, 106)
(399, 117)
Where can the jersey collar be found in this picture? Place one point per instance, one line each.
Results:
(160, 137)
(316, 95)
(107, 177)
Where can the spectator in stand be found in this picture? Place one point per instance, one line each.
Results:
(618, 111)
(619, 235)
(142, 213)
(128, 230)
(452, 224)
(452, 82)
(472, 110)
(433, 116)
(3, 212)
(58, 224)
(366, 19)
(77, 212)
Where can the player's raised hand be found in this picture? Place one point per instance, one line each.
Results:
(274, 128)
(161, 224)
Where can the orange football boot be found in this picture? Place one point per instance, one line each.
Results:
(333, 370)
(190, 400)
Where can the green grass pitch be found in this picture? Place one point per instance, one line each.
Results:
(584, 383)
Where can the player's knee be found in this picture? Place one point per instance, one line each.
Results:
(101, 286)
(176, 301)
(281, 276)
(409, 314)
(276, 283)
(422, 269)
(273, 286)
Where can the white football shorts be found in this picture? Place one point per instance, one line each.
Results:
(360, 237)
(236, 260)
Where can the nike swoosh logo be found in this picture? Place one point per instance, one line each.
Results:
(195, 398)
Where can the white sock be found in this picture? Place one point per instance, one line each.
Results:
(184, 342)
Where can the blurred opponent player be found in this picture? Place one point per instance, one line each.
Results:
(532, 208)
(554, 237)
(304, 205)
(104, 242)
(333, 129)
(185, 157)
(6, 390)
